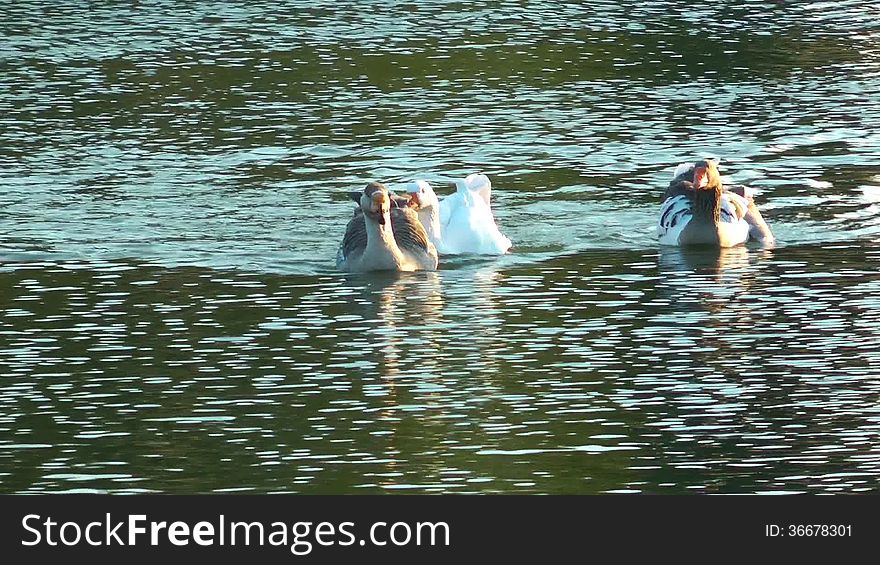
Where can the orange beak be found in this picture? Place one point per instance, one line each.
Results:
(701, 177)
(380, 205)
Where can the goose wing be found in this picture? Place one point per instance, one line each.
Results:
(398, 201)
(354, 242)
(409, 233)
(733, 207)
(673, 213)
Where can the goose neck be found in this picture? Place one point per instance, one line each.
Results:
(707, 205)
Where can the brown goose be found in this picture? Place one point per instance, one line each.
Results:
(697, 210)
(384, 235)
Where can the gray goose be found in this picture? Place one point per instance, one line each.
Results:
(384, 235)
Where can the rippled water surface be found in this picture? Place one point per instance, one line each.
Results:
(172, 192)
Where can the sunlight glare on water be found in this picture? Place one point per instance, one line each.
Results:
(174, 185)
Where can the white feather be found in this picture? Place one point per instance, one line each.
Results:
(676, 214)
(682, 168)
(466, 222)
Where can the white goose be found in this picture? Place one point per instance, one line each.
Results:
(384, 237)
(697, 210)
(463, 221)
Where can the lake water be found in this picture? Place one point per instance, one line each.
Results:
(173, 182)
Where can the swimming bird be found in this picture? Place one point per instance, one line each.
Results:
(697, 210)
(463, 221)
(424, 201)
(384, 235)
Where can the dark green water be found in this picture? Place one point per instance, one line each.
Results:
(172, 192)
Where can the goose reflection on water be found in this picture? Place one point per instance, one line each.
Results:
(731, 269)
(418, 319)
(403, 312)
(715, 283)
(433, 340)
(709, 319)
(407, 310)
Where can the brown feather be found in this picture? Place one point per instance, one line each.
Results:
(706, 204)
(354, 242)
(409, 233)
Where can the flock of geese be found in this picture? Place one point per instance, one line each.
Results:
(409, 233)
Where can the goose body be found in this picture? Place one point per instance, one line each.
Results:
(384, 237)
(697, 210)
(463, 221)
(678, 224)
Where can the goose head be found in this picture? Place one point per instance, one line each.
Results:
(706, 175)
(374, 201)
(701, 174)
(422, 195)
